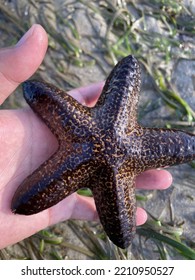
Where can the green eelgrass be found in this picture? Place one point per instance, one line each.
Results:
(183, 249)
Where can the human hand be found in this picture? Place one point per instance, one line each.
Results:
(26, 142)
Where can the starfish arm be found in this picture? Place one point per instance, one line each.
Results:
(156, 148)
(114, 196)
(60, 112)
(117, 105)
(54, 180)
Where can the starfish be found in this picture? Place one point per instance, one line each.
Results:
(102, 148)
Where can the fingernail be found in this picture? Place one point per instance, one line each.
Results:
(26, 36)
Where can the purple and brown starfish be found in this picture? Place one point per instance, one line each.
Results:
(102, 148)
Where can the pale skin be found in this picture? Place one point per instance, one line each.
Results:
(25, 142)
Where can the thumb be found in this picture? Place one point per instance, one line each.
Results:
(18, 63)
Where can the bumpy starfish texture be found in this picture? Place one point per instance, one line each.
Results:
(102, 148)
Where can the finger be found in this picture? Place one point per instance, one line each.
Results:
(141, 216)
(82, 208)
(73, 207)
(154, 179)
(87, 95)
(18, 63)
